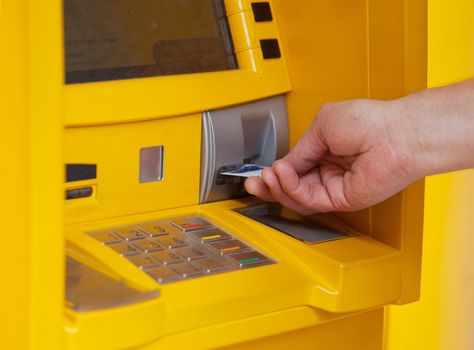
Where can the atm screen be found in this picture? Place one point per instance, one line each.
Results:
(124, 39)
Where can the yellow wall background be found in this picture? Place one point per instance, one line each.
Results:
(444, 316)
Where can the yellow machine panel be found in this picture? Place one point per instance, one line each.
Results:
(122, 117)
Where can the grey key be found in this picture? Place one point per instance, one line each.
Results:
(172, 241)
(228, 246)
(187, 270)
(210, 265)
(125, 249)
(143, 261)
(106, 237)
(191, 223)
(163, 274)
(154, 229)
(191, 253)
(210, 235)
(167, 257)
(129, 233)
(249, 259)
(148, 245)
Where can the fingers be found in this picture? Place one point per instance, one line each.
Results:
(307, 192)
(334, 179)
(273, 183)
(308, 150)
(320, 190)
(255, 185)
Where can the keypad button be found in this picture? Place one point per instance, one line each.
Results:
(191, 253)
(210, 265)
(163, 274)
(130, 233)
(187, 270)
(143, 261)
(154, 229)
(148, 245)
(125, 249)
(210, 235)
(172, 241)
(167, 257)
(228, 246)
(191, 223)
(249, 259)
(106, 237)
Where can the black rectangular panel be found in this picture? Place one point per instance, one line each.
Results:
(78, 172)
(270, 48)
(262, 12)
(123, 39)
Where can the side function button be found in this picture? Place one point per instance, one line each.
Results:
(124, 249)
(270, 48)
(210, 235)
(249, 259)
(172, 241)
(167, 257)
(163, 274)
(228, 246)
(262, 12)
(191, 253)
(154, 229)
(187, 270)
(130, 233)
(106, 237)
(191, 223)
(148, 245)
(210, 265)
(143, 261)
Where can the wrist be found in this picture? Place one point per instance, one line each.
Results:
(439, 128)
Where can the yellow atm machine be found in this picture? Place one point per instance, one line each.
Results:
(121, 115)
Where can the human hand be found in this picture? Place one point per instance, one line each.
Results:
(357, 153)
(352, 156)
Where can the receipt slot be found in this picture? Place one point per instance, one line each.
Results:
(122, 231)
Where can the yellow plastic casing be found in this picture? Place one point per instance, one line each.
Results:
(443, 318)
(150, 98)
(331, 293)
(361, 49)
(337, 276)
(32, 293)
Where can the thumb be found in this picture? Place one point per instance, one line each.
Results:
(308, 150)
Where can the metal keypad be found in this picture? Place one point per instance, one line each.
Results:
(180, 248)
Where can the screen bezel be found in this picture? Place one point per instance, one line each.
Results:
(141, 99)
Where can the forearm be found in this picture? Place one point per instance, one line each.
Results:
(440, 128)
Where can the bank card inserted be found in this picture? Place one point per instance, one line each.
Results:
(247, 170)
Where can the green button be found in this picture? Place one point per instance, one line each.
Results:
(246, 261)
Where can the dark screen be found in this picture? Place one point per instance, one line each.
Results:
(123, 39)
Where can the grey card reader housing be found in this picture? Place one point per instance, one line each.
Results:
(255, 133)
